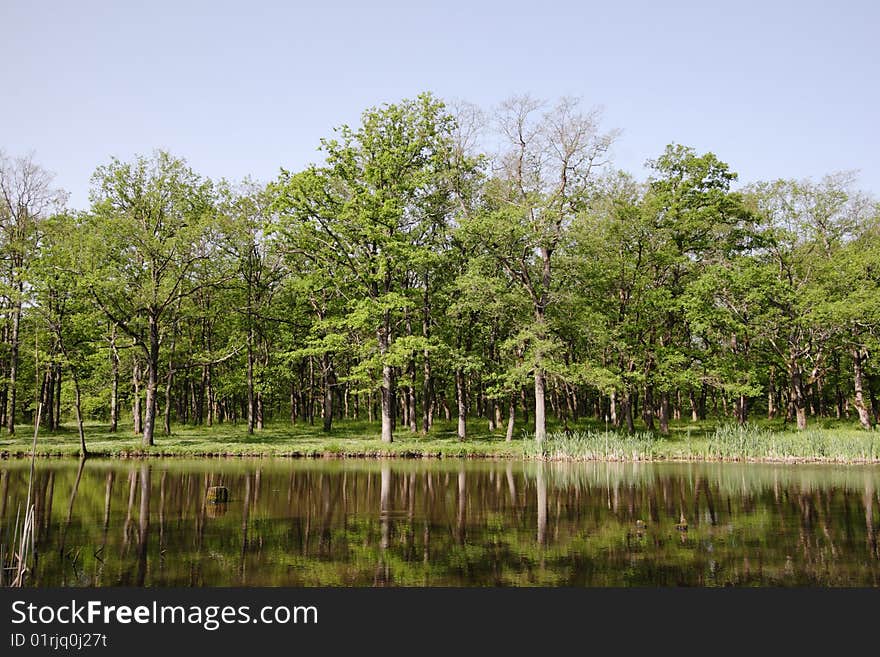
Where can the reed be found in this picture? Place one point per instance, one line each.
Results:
(752, 442)
(16, 560)
(727, 443)
(594, 446)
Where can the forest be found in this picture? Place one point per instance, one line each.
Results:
(440, 263)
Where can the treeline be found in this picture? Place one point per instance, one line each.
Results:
(439, 264)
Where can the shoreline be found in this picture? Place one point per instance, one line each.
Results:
(686, 443)
(412, 455)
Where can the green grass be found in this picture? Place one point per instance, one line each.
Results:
(348, 438)
(706, 441)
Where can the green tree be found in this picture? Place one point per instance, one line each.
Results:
(696, 221)
(27, 199)
(546, 162)
(149, 220)
(807, 224)
(245, 215)
(369, 208)
(64, 308)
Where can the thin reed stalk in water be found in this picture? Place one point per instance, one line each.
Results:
(26, 542)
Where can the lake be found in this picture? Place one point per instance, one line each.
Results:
(351, 522)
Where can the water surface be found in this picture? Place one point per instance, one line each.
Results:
(447, 523)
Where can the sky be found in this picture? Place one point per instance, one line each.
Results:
(777, 89)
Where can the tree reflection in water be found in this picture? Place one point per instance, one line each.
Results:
(380, 523)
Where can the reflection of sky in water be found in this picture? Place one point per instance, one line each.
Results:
(449, 522)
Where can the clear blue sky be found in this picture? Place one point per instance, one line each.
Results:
(777, 89)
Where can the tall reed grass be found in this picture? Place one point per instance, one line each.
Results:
(595, 446)
(727, 443)
(752, 442)
(15, 559)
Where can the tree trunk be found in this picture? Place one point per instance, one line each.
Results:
(136, 414)
(411, 403)
(166, 413)
(384, 337)
(858, 385)
(408, 403)
(114, 382)
(664, 413)
(771, 396)
(77, 404)
(798, 395)
(627, 408)
(540, 325)
(649, 407)
(571, 405)
(310, 397)
(169, 380)
(741, 409)
(327, 368)
(251, 410)
(511, 418)
(428, 383)
(152, 383)
(212, 402)
(13, 358)
(47, 397)
(398, 403)
(427, 396)
(701, 408)
(58, 372)
(4, 374)
(540, 421)
(461, 398)
(387, 401)
(202, 397)
(54, 382)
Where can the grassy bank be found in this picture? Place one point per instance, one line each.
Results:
(687, 441)
(348, 438)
